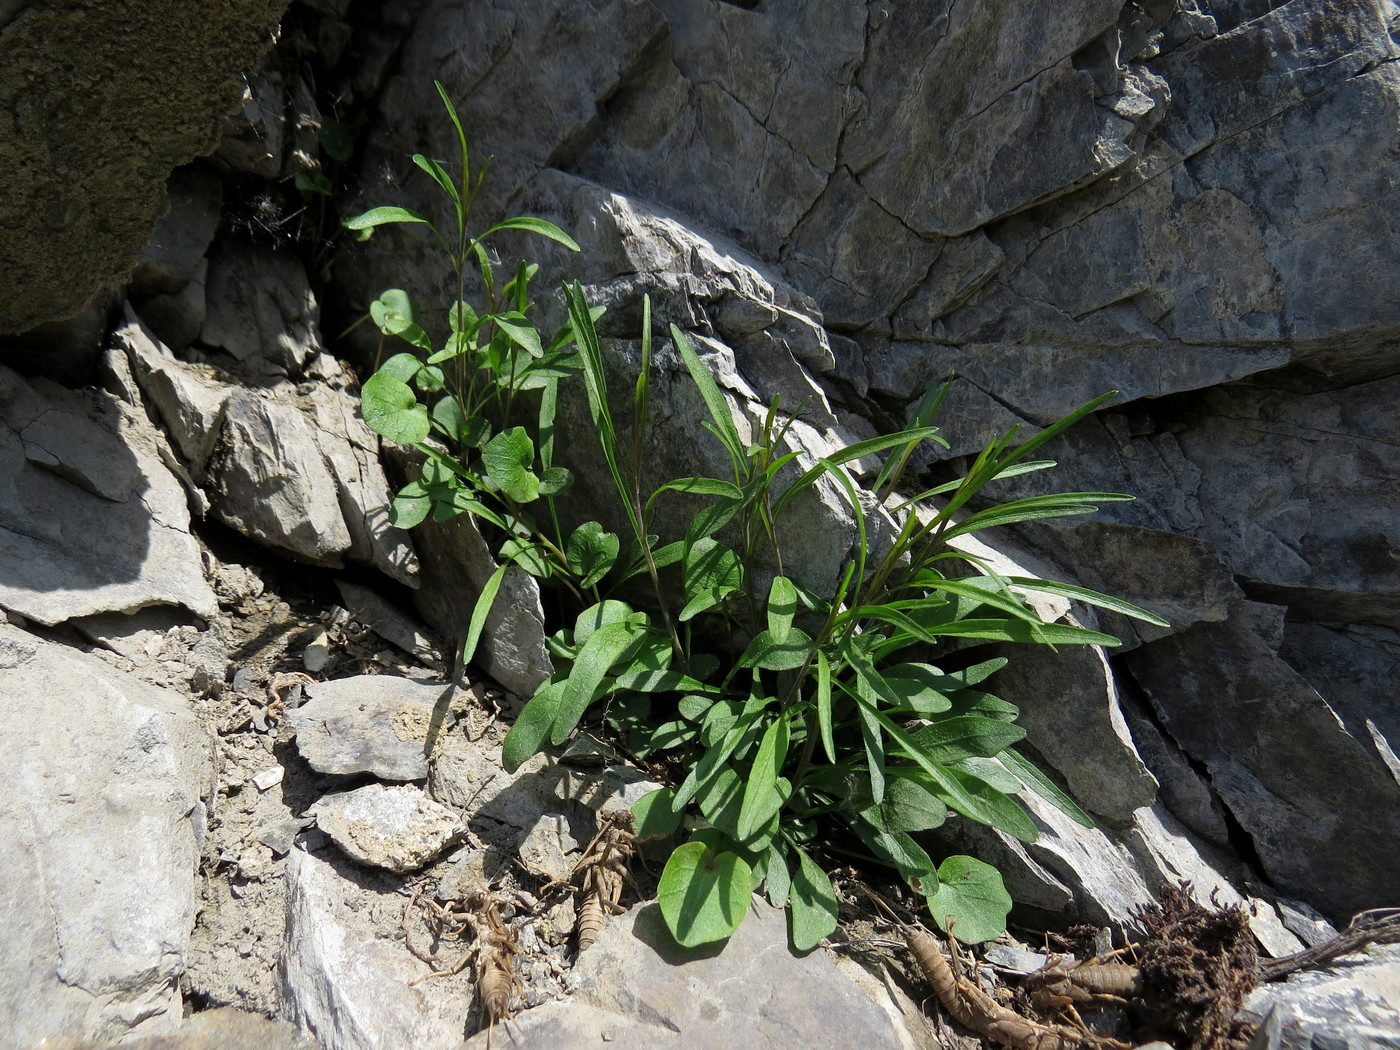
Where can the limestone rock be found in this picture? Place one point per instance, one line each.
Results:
(456, 563)
(396, 828)
(217, 1029)
(375, 724)
(1293, 774)
(121, 541)
(753, 992)
(345, 982)
(104, 809)
(182, 236)
(269, 481)
(1354, 1004)
(259, 308)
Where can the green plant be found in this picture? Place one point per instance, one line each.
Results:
(828, 725)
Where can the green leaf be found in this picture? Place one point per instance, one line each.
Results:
(597, 656)
(402, 367)
(520, 332)
(654, 816)
(391, 408)
(529, 555)
(815, 910)
(823, 702)
(484, 602)
(715, 401)
(605, 612)
(382, 215)
(1088, 597)
(767, 653)
(408, 511)
(703, 894)
(1043, 786)
(896, 849)
(972, 898)
(1019, 631)
(592, 552)
(508, 458)
(776, 876)
(908, 806)
(965, 736)
(782, 606)
(554, 480)
(437, 174)
(336, 140)
(762, 800)
(720, 800)
(532, 725)
(712, 573)
(539, 226)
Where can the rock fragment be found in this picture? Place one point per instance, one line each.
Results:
(375, 724)
(396, 828)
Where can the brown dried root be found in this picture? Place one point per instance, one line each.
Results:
(1377, 926)
(1198, 964)
(978, 1011)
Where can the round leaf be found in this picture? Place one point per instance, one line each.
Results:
(654, 816)
(592, 552)
(508, 458)
(971, 895)
(391, 408)
(704, 894)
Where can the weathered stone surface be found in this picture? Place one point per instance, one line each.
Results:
(268, 480)
(182, 235)
(753, 992)
(375, 724)
(259, 308)
(190, 398)
(1318, 801)
(1353, 1005)
(101, 102)
(218, 1029)
(102, 823)
(343, 980)
(397, 828)
(456, 563)
(91, 520)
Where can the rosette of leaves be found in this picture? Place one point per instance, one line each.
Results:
(833, 724)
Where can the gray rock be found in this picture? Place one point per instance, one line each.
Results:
(217, 1029)
(1290, 771)
(103, 809)
(396, 828)
(182, 236)
(190, 398)
(178, 317)
(375, 724)
(368, 607)
(753, 992)
(351, 451)
(259, 308)
(548, 849)
(343, 980)
(254, 138)
(456, 563)
(121, 541)
(269, 481)
(1354, 1005)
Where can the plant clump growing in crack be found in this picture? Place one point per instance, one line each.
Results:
(830, 724)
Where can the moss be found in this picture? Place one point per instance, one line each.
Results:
(99, 101)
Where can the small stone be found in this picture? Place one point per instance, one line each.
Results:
(375, 724)
(546, 848)
(397, 828)
(318, 653)
(270, 777)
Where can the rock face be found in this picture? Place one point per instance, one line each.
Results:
(100, 830)
(1051, 204)
(92, 520)
(101, 101)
